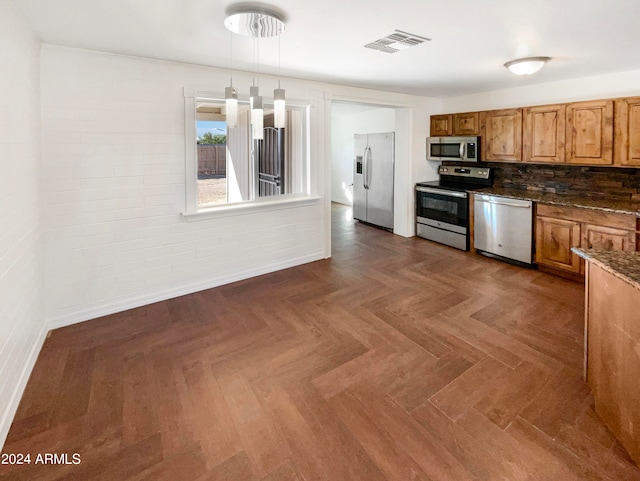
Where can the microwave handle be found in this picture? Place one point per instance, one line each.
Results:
(462, 149)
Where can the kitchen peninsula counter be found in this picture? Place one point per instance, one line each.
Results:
(622, 264)
(612, 341)
(609, 204)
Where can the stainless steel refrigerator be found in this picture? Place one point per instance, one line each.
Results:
(373, 178)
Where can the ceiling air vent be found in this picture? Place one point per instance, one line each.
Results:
(396, 41)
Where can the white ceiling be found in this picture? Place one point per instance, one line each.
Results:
(324, 39)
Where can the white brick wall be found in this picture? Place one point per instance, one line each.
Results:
(21, 241)
(113, 157)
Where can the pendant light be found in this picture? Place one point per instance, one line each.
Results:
(231, 95)
(231, 103)
(278, 100)
(278, 107)
(259, 22)
(253, 93)
(255, 100)
(254, 90)
(257, 119)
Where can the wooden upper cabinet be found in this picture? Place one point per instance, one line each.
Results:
(627, 132)
(455, 124)
(466, 124)
(544, 134)
(590, 132)
(503, 135)
(441, 125)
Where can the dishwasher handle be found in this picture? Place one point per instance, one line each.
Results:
(497, 202)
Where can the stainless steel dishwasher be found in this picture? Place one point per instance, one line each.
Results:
(503, 228)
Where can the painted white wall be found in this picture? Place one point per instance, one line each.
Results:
(346, 120)
(113, 156)
(21, 240)
(587, 88)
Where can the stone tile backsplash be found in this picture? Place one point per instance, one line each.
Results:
(569, 179)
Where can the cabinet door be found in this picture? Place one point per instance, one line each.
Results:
(590, 133)
(627, 128)
(441, 125)
(608, 238)
(466, 124)
(544, 134)
(503, 135)
(554, 240)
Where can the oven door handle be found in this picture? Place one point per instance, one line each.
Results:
(451, 193)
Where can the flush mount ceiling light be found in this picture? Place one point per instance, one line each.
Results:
(526, 66)
(254, 22)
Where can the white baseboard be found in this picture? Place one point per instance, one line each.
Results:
(18, 390)
(112, 308)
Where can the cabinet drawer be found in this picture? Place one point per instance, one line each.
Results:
(589, 216)
(608, 239)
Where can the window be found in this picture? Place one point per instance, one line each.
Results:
(228, 168)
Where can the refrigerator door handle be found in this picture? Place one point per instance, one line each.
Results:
(364, 168)
(369, 167)
(367, 151)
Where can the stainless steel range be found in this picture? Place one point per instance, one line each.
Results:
(442, 206)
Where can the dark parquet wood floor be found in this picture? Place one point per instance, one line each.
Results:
(398, 359)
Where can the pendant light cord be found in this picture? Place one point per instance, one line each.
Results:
(231, 57)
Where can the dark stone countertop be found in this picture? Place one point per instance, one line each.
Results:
(618, 206)
(622, 264)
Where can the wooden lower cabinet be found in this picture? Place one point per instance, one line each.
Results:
(554, 240)
(558, 229)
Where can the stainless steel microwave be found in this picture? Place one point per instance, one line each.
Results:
(465, 149)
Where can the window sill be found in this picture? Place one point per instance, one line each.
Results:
(287, 202)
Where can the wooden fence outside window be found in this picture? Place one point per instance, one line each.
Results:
(212, 159)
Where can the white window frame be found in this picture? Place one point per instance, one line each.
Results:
(264, 204)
